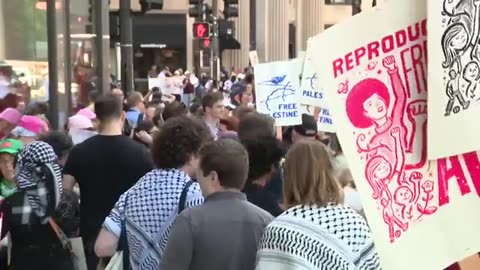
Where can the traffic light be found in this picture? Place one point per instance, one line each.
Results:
(90, 11)
(201, 30)
(147, 5)
(230, 8)
(206, 43)
(196, 8)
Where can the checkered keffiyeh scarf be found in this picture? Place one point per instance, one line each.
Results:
(39, 176)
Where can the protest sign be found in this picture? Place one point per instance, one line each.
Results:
(311, 93)
(253, 58)
(420, 212)
(276, 84)
(454, 77)
(163, 84)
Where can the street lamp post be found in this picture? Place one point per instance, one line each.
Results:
(126, 43)
(52, 64)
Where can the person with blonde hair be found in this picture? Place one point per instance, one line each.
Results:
(317, 231)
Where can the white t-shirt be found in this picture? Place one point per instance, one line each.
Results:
(352, 199)
(176, 85)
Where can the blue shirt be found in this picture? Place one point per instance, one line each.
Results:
(132, 116)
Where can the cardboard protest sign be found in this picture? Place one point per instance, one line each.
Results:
(276, 84)
(454, 77)
(419, 211)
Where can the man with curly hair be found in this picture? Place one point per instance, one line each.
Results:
(145, 213)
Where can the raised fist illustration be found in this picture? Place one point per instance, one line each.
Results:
(389, 62)
(395, 131)
(417, 110)
(416, 176)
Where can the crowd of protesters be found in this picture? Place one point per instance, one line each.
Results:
(178, 182)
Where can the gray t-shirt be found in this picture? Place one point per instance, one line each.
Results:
(223, 233)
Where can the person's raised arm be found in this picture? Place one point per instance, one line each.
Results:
(71, 169)
(68, 182)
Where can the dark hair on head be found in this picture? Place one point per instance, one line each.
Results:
(335, 143)
(157, 116)
(233, 78)
(108, 107)
(241, 111)
(145, 125)
(36, 108)
(60, 142)
(173, 109)
(264, 154)
(42, 107)
(256, 125)
(178, 139)
(210, 99)
(249, 78)
(157, 95)
(93, 95)
(228, 159)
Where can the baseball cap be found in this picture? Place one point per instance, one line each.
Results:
(87, 112)
(79, 122)
(10, 146)
(11, 115)
(308, 126)
(29, 126)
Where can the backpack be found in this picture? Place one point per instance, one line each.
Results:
(129, 126)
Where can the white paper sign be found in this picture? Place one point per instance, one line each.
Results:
(253, 58)
(453, 77)
(276, 84)
(422, 213)
(311, 93)
(162, 83)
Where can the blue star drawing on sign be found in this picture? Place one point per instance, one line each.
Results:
(282, 89)
(312, 79)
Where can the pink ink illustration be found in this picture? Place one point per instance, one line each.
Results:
(343, 87)
(391, 219)
(394, 133)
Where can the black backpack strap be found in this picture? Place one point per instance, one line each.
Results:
(140, 118)
(183, 196)
(123, 242)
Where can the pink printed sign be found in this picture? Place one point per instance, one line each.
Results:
(376, 84)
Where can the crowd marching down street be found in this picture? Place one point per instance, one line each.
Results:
(170, 186)
(324, 161)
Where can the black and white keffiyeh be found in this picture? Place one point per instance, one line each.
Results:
(39, 176)
(148, 210)
(320, 238)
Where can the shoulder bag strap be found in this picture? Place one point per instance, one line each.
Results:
(123, 241)
(64, 240)
(158, 238)
(183, 197)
